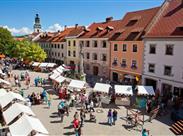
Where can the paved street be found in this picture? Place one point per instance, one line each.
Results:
(51, 121)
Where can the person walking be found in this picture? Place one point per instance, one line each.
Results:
(76, 115)
(49, 100)
(76, 126)
(115, 113)
(110, 116)
(145, 132)
(92, 106)
(82, 116)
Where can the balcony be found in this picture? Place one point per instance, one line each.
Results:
(114, 63)
(123, 65)
(134, 67)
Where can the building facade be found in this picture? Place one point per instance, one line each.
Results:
(126, 62)
(163, 67)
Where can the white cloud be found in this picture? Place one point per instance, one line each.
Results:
(55, 27)
(21, 31)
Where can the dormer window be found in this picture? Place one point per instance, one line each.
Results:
(132, 36)
(99, 29)
(109, 28)
(132, 22)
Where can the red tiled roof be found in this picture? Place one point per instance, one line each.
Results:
(133, 25)
(46, 36)
(169, 21)
(100, 30)
(76, 31)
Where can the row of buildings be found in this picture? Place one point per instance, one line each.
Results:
(144, 45)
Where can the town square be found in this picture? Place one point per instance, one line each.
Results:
(115, 76)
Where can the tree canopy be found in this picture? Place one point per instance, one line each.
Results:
(25, 49)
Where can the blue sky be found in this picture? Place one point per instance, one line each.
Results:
(18, 15)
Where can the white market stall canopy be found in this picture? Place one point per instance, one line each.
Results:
(36, 64)
(100, 87)
(77, 84)
(9, 97)
(60, 79)
(43, 65)
(60, 70)
(123, 90)
(3, 92)
(56, 72)
(4, 82)
(54, 76)
(25, 125)
(51, 65)
(145, 90)
(16, 109)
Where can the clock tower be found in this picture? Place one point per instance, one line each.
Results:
(37, 25)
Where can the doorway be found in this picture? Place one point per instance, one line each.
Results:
(151, 82)
(95, 70)
(115, 76)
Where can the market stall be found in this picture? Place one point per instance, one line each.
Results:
(3, 92)
(76, 85)
(15, 110)
(123, 93)
(10, 97)
(51, 65)
(26, 126)
(103, 91)
(54, 76)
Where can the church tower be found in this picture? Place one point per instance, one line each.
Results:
(37, 25)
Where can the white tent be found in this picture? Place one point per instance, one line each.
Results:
(4, 81)
(16, 109)
(123, 90)
(43, 65)
(51, 65)
(60, 70)
(9, 97)
(100, 87)
(2, 92)
(54, 76)
(35, 64)
(60, 79)
(77, 84)
(25, 125)
(145, 90)
(56, 72)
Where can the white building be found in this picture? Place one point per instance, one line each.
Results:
(163, 51)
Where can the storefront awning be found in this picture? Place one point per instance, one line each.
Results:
(100, 87)
(25, 125)
(9, 97)
(16, 109)
(51, 65)
(43, 65)
(76, 84)
(123, 90)
(145, 90)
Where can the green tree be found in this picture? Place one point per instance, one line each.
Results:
(6, 40)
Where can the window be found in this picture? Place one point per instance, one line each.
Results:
(132, 22)
(123, 64)
(69, 43)
(104, 57)
(55, 45)
(74, 43)
(169, 49)
(55, 54)
(88, 55)
(62, 46)
(69, 53)
(104, 44)
(59, 54)
(87, 67)
(74, 53)
(151, 68)
(51, 45)
(134, 64)
(95, 44)
(62, 54)
(152, 49)
(168, 71)
(134, 47)
(124, 47)
(94, 56)
(115, 62)
(87, 43)
(132, 36)
(115, 47)
(59, 46)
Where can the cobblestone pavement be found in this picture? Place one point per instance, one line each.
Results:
(50, 119)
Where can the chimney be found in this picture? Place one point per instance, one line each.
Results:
(65, 27)
(76, 25)
(58, 31)
(109, 19)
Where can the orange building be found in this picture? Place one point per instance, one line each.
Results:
(127, 47)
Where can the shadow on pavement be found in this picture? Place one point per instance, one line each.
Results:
(109, 106)
(69, 133)
(69, 127)
(54, 116)
(56, 121)
(104, 123)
